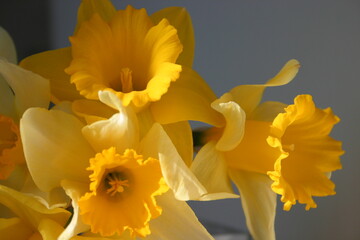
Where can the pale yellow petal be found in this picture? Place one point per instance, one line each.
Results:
(51, 65)
(249, 96)
(63, 152)
(92, 110)
(181, 20)
(7, 46)
(174, 107)
(89, 7)
(120, 131)
(14, 228)
(258, 202)
(180, 134)
(30, 90)
(177, 175)
(177, 221)
(211, 170)
(29, 209)
(74, 190)
(235, 121)
(7, 99)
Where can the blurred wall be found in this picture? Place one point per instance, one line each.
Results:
(248, 41)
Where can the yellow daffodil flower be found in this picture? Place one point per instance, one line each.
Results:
(145, 60)
(120, 183)
(292, 148)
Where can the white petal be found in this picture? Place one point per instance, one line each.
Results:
(258, 202)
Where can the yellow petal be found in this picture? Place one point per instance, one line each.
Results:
(181, 136)
(7, 47)
(127, 55)
(181, 20)
(14, 228)
(210, 168)
(74, 190)
(249, 96)
(29, 209)
(62, 151)
(22, 82)
(51, 65)
(258, 202)
(121, 130)
(177, 221)
(177, 175)
(92, 110)
(267, 111)
(308, 153)
(174, 107)
(235, 117)
(88, 8)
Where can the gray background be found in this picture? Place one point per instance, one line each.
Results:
(248, 41)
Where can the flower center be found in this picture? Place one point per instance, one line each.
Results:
(114, 183)
(126, 80)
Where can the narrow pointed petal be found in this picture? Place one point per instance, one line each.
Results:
(249, 96)
(89, 7)
(258, 202)
(23, 82)
(181, 20)
(211, 170)
(174, 107)
(7, 46)
(177, 175)
(235, 122)
(51, 65)
(177, 221)
(48, 146)
(7, 99)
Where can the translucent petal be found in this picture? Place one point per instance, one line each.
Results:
(23, 82)
(177, 175)
(177, 221)
(258, 202)
(62, 151)
(210, 168)
(51, 65)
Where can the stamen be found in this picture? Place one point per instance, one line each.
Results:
(115, 184)
(126, 80)
(288, 147)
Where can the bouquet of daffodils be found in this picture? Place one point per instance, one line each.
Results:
(95, 140)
